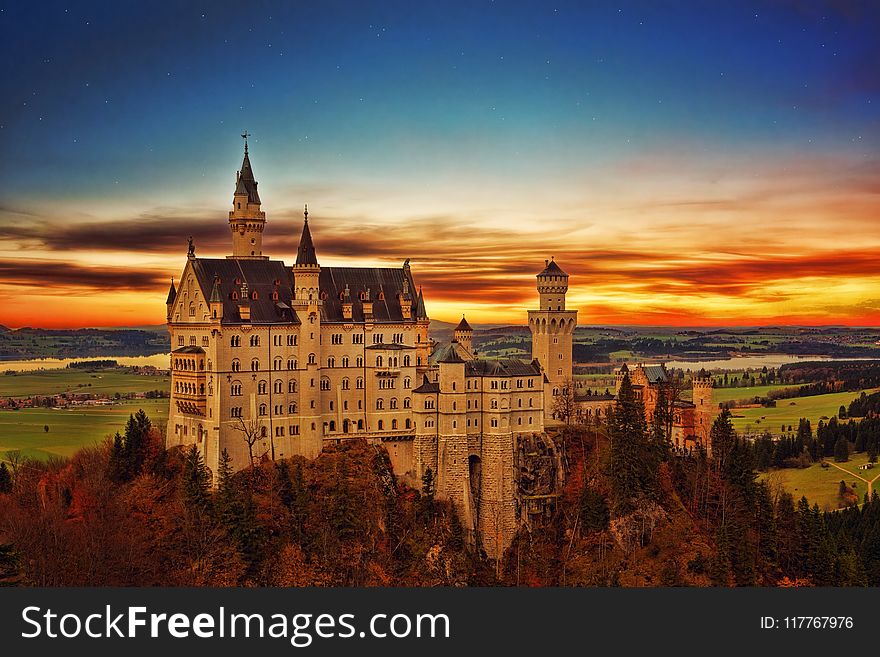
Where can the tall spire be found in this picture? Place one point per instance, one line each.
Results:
(245, 182)
(305, 254)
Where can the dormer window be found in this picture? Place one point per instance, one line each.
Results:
(254, 295)
(381, 296)
(275, 295)
(323, 296)
(234, 296)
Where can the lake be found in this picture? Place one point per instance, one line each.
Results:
(156, 360)
(750, 361)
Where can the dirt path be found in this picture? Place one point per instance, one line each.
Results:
(870, 482)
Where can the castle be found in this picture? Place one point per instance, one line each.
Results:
(276, 360)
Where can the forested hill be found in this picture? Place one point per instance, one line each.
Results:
(25, 343)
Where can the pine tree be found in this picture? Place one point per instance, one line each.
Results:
(5, 479)
(195, 480)
(117, 467)
(428, 491)
(594, 513)
(841, 450)
(631, 474)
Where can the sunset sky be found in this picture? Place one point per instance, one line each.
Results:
(694, 164)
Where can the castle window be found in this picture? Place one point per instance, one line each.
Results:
(393, 424)
(407, 383)
(336, 338)
(406, 361)
(345, 384)
(312, 359)
(235, 411)
(377, 338)
(381, 295)
(381, 425)
(234, 296)
(291, 386)
(360, 425)
(359, 384)
(530, 383)
(357, 338)
(275, 295)
(262, 432)
(493, 403)
(235, 341)
(359, 361)
(345, 361)
(278, 386)
(291, 364)
(291, 340)
(262, 388)
(408, 423)
(393, 403)
(255, 365)
(494, 385)
(235, 390)
(192, 310)
(494, 422)
(255, 340)
(254, 294)
(294, 430)
(378, 361)
(276, 340)
(204, 340)
(380, 404)
(276, 364)
(331, 362)
(291, 409)
(325, 384)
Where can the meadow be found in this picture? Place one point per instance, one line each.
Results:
(70, 428)
(789, 411)
(820, 485)
(51, 382)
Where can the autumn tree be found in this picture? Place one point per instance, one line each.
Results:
(195, 480)
(564, 404)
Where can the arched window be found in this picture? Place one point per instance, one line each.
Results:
(331, 362)
(325, 383)
(291, 409)
(345, 361)
(345, 384)
(262, 409)
(276, 364)
(312, 359)
(408, 423)
(378, 361)
(235, 341)
(359, 384)
(255, 365)
(291, 386)
(262, 432)
(255, 340)
(235, 389)
(381, 425)
(279, 386)
(291, 364)
(393, 403)
(236, 365)
(406, 361)
(359, 361)
(380, 404)
(406, 402)
(407, 383)
(393, 424)
(262, 387)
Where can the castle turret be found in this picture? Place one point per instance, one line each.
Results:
(169, 302)
(216, 301)
(405, 297)
(464, 335)
(552, 328)
(246, 220)
(307, 304)
(704, 408)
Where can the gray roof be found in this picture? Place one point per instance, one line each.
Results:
(305, 254)
(447, 354)
(655, 373)
(246, 183)
(387, 280)
(172, 294)
(502, 367)
(189, 349)
(552, 269)
(260, 276)
(427, 386)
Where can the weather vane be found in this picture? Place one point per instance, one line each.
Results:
(245, 135)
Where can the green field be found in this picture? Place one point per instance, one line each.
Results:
(789, 411)
(70, 429)
(50, 382)
(735, 394)
(819, 484)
